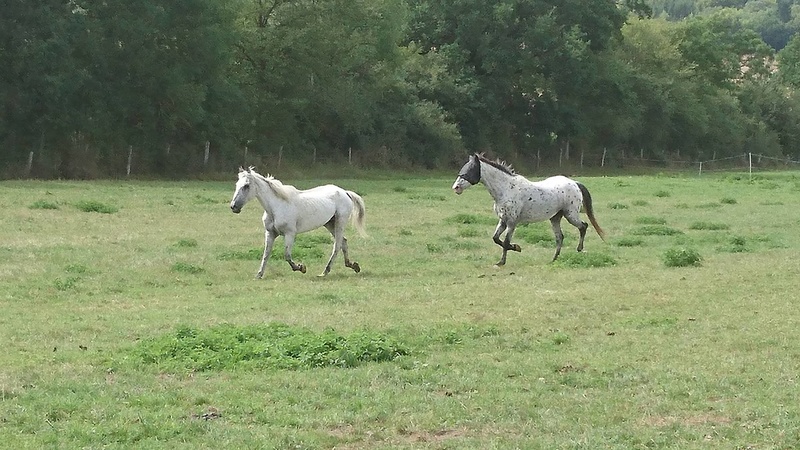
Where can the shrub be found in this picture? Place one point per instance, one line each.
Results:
(585, 260)
(662, 194)
(43, 204)
(617, 206)
(187, 243)
(536, 234)
(728, 200)
(467, 219)
(629, 242)
(250, 254)
(639, 203)
(185, 267)
(468, 232)
(708, 226)
(650, 220)
(276, 346)
(95, 206)
(681, 257)
(656, 230)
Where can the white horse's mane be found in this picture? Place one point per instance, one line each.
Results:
(284, 191)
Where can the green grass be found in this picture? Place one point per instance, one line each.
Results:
(145, 327)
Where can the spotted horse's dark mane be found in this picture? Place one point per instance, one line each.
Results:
(497, 164)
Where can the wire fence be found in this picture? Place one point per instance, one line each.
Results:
(746, 162)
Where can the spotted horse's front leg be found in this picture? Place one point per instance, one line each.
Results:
(506, 243)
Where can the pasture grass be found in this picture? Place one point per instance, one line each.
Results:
(145, 327)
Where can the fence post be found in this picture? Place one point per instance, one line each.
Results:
(280, 156)
(350, 155)
(207, 151)
(130, 159)
(30, 164)
(700, 172)
(603, 161)
(750, 165)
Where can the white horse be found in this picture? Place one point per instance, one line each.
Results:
(518, 200)
(289, 211)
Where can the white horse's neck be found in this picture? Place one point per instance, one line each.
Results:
(497, 181)
(264, 193)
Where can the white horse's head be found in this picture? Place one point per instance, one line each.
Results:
(470, 174)
(244, 191)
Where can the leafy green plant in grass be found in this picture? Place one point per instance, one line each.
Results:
(434, 197)
(400, 189)
(662, 193)
(468, 232)
(95, 206)
(736, 244)
(651, 220)
(639, 203)
(629, 242)
(709, 205)
(585, 260)
(434, 248)
(273, 346)
(467, 219)
(185, 267)
(617, 205)
(712, 226)
(656, 230)
(405, 232)
(681, 257)
(186, 243)
(728, 200)
(43, 204)
(254, 253)
(65, 284)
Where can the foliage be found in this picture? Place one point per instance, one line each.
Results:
(96, 206)
(681, 257)
(258, 347)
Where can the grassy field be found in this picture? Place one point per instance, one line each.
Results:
(131, 318)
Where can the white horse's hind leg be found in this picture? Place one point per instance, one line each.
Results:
(269, 241)
(287, 252)
(353, 265)
(339, 242)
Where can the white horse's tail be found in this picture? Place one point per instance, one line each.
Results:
(359, 213)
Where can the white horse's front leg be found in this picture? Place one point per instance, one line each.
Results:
(288, 239)
(269, 241)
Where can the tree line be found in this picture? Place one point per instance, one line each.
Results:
(174, 88)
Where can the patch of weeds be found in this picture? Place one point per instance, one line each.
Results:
(95, 206)
(464, 245)
(186, 243)
(405, 232)
(434, 197)
(254, 253)
(400, 189)
(202, 200)
(771, 203)
(76, 268)
(467, 219)
(709, 205)
(736, 244)
(617, 205)
(656, 230)
(770, 185)
(681, 257)
(560, 338)
(468, 232)
(651, 220)
(711, 226)
(434, 248)
(639, 203)
(273, 346)
(682, 206)
(629, 242)
(620, 183)
(585, 260)
(728, 200)
(657, 322)
(66, 284)
(43, 204)
(185, 267)
(662, 194)
(536, 234)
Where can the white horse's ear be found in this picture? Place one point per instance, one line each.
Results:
(250, 169)
(241, 169)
